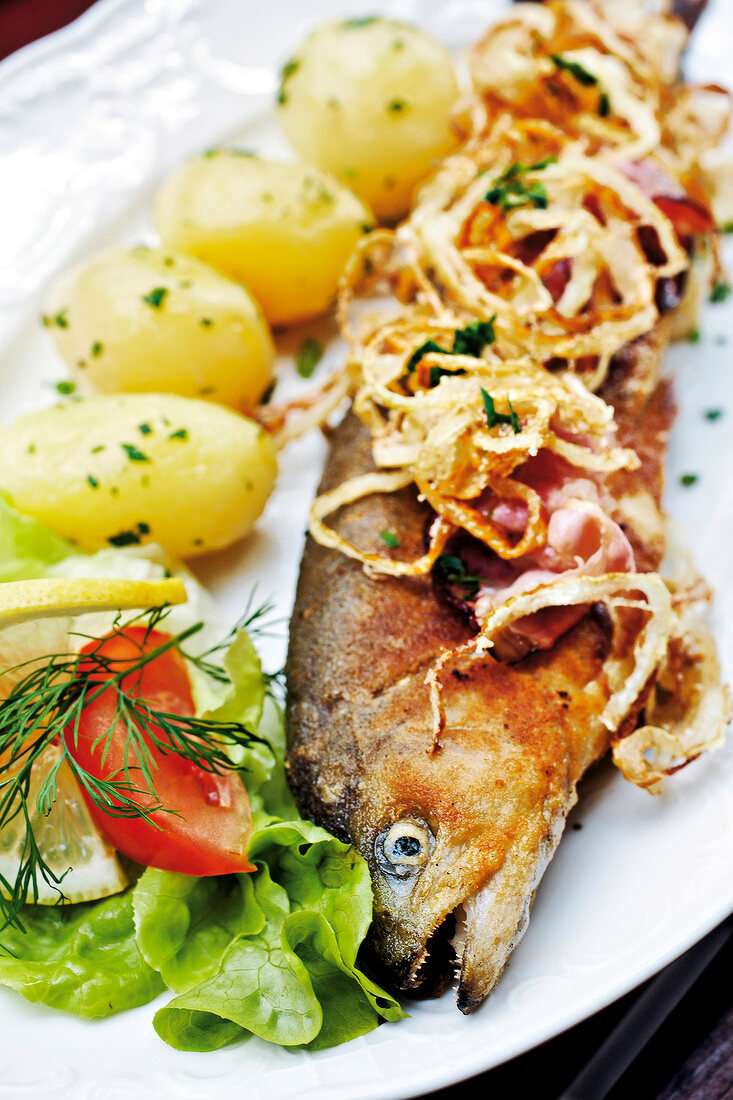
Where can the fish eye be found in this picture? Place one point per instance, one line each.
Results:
(403, 847)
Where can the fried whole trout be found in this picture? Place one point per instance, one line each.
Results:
(456, 839)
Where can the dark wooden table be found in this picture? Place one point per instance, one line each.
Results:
(690, 1055)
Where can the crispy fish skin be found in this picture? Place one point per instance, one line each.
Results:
(470, 828)
(645, 409)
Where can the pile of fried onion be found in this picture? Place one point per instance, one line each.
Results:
(531, 258)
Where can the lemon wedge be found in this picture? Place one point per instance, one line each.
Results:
(67, 838)
(37, 599)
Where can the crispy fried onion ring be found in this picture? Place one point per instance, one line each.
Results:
(355, 489)
(295, 418)
(686, 713)
(432, 429)
(567, 278)
(695, 121)
(628, 58)
(646, 591)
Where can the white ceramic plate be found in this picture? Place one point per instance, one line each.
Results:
(90, 120)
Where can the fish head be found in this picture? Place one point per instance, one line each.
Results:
(457, 836)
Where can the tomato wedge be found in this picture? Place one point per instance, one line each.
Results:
(209, 829)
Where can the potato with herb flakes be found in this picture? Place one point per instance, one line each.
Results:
(284, 230)
(131, 468)
(370, 100)
(150, 320)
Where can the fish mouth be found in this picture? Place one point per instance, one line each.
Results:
(490, 923)
(427, 971)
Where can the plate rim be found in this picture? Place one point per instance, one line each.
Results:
(83, 24)
(87, 26)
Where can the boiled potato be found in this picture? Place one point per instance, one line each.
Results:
(150, 320)
(370, 100)
(120, 470)
(285, 230)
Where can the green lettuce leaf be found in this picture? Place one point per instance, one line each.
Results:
(185, 924)
(242, 698)
(82, 958)
(263, 771)
(27, 548)
(271, 953)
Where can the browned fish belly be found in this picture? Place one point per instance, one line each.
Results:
(464, 832)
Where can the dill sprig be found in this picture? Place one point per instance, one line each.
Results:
(45, 707)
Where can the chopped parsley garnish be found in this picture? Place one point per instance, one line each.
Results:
(720, 291)
(693, 336)
(206, 322)
(575, 69)
(65, 388)
(129, 538)
(361, 21)
(604, 105)
(493, 417)
(315, 192)
(470, 340)
(510, 192)
(60, 320)
(436, 373)
(216, 152)
(97, 449)
(155, 297)
(92, 481)
(181, 434)
(713, 414)
(417, 355)
(97, 349)
(689, 479)
(289, 68)
(389, 539)
(396, 106)
(309, 357)
(144, 429)
(133, 453)
(453, 569)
